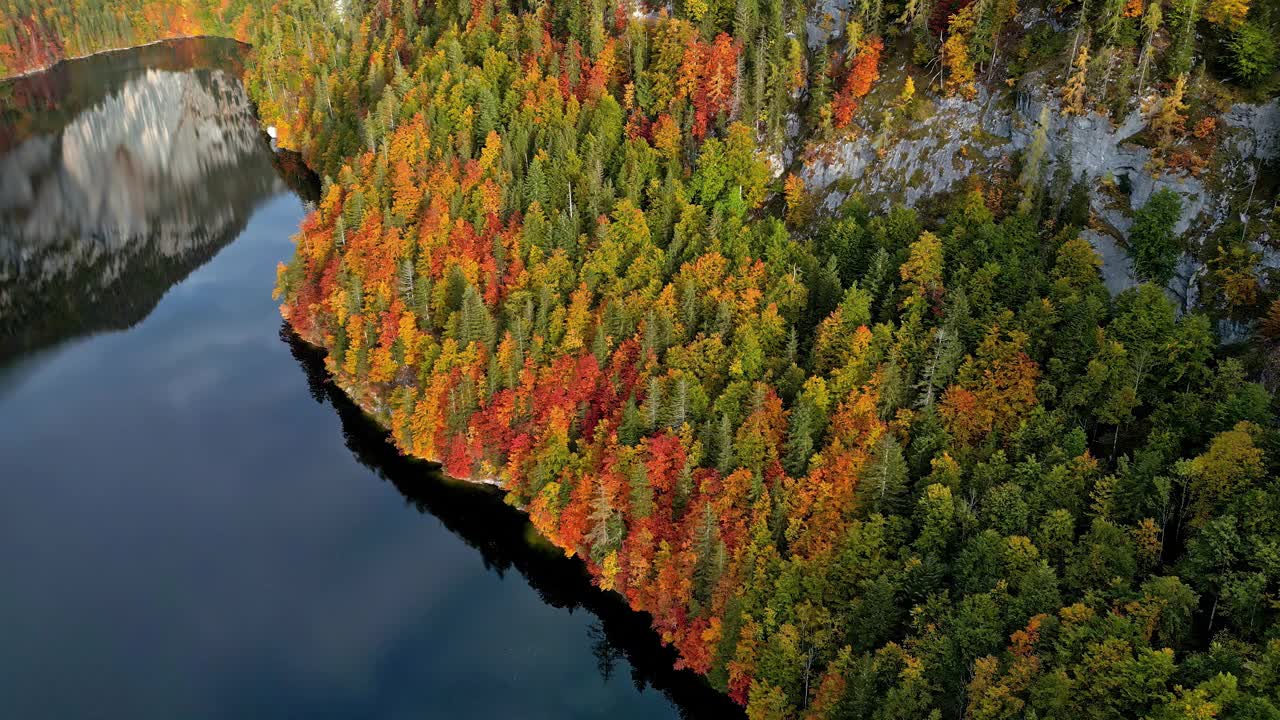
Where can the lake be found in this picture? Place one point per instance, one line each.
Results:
(193, 522)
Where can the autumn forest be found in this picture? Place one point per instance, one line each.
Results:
(856, 457)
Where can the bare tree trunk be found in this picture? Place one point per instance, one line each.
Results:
(1249, 203)
(808, 667)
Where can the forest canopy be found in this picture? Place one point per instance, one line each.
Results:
(856, 461)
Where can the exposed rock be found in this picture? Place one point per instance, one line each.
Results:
(1117, 268)
(825, 22)
(160, 138)
(961, 138)
(936, 154)
(1262, 126)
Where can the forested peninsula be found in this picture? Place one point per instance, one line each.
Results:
(900, 359)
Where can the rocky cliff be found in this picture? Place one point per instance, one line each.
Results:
(958, 138)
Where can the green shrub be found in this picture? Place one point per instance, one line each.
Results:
(1254, 54)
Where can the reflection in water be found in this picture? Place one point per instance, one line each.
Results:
(506, 540)
(99, 217)
(182, 533)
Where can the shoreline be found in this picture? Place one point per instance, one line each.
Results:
(108, 51)
(362, 402)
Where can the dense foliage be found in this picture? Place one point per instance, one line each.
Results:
(853, 464)
(37, 33)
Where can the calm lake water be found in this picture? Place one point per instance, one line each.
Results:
(193, 523)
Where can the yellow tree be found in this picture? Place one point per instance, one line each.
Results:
(908, 92)
(1270, 326)
(1167, 120)
(1230, 466)
(797, 199)
(406, 190)
(995, 388)
(1074, 93)
(955, 54)
(1227, 14)
(922, 274)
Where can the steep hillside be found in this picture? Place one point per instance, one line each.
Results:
(875, 350)
(901, 359)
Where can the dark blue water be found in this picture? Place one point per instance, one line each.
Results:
(193, 524)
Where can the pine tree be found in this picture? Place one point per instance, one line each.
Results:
(1152, 242)
(475, 325)
(606, 527)
(653, 403)
(1182, 52)
(1255, 53)
(724, 445)
(710, 553)
(632, 427)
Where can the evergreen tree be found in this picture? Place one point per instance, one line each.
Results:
(1153, 243)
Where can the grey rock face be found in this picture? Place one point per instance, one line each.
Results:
(935, 154)
(964, 137)
(114, 172)
(825, 22)
(1262, 126)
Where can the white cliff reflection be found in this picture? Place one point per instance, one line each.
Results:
(98, 219)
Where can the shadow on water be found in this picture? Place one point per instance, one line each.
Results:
(506, 541)
(122, 174)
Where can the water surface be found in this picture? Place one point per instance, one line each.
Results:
(193, 523)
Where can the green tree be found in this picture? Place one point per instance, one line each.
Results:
(1153, 243)
(1254, 53)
